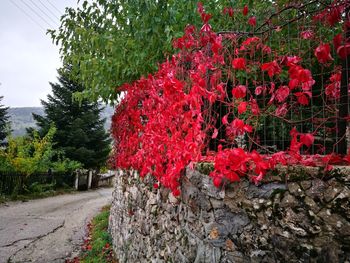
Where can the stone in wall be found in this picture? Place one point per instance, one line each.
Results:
(301, 220)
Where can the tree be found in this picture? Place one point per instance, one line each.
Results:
(34, 154)
(109, 43)
(80, 132)
(3, 121)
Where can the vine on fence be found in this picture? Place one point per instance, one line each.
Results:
(210, 102)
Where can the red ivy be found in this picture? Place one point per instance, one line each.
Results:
(239, 63)
(163, 123)
(322, 52)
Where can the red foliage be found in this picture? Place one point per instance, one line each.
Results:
(242, 107)
(272, 68)
(333, 89)
(322, 52)
(229, 11)
(239, 91)
(282, 93)
(252, 21)
(237, 127)
(239, 63)
(245, 10)
(307, 34)
(331, 15)
(164, 124)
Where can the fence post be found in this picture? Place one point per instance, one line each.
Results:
(344, 100)
(89, 179)
(76, 183)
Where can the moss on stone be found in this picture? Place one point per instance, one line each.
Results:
(277, 191)
(205, 167)
(293, 173)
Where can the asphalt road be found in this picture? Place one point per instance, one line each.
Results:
(50, 229)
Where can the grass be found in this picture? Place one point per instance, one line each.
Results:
(97, 246)
(3, 199)
(35, 195)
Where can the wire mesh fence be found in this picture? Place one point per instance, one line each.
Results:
(302, 83)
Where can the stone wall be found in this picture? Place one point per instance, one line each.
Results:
(298, 218)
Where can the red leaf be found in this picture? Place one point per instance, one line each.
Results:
(259, 90)
(224, 120)
(344, 51)
(252, 21)
(215, 134)
(282, 110)
(237, 127)
(257, 179)
(334, 15)
(217, 44)
(293, 83)
(307, 34)
(239, 91)
(232, 177)
(245, 10)
(272, 68)
(176, 192)
(221, 90)
(337, 41)
(265, 49)
(200, 7)
(249, 41)
(292, 61)
(239, 63)
(294, 144)
(307, 139)
(228, 10)
(302, 99)
(255, 107)
(282, 93)
(217, 181)
(205, 17)
(347, 158)
(248, 128)
(242, 107)
(322, 53)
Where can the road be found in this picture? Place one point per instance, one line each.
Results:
(50, 229)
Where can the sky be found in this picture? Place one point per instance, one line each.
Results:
(28, 58)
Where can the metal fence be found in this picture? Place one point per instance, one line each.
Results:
(325, 115)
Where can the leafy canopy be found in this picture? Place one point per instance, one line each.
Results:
(108, 43)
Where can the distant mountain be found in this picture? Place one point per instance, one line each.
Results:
(22, 118)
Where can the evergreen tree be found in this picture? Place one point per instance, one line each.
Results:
(80, 130)
(3, 121)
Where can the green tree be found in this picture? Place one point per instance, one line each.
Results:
(80, 132)
(3, 121)
(109, 43)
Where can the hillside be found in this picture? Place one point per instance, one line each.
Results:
(21, 118)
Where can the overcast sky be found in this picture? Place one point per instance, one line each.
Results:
(28, 59)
